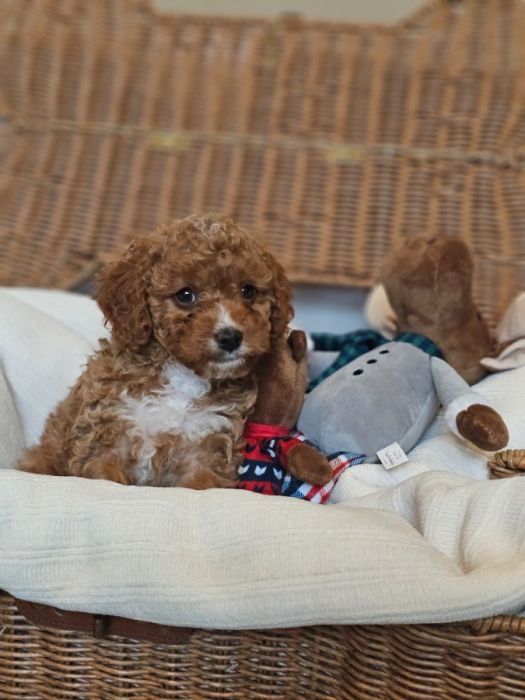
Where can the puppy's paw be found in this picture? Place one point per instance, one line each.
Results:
(308, 464)
(483, 427)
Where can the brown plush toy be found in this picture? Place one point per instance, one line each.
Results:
(428, 282)
(270, 450)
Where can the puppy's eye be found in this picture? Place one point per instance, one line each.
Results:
(186, 297)
(248, 292)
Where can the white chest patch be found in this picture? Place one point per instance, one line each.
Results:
(172, 409)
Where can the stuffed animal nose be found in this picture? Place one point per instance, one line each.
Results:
(228, 339)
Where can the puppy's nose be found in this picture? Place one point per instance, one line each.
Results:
(228, 338)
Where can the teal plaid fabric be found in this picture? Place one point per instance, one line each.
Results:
(352, 345)
(421, 342)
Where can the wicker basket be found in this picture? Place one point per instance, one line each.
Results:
(482, 659)
(332, 141)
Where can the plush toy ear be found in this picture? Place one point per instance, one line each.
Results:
(122, 295)
(282, 312)
(297, 343)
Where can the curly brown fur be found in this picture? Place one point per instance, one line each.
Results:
(164, 402)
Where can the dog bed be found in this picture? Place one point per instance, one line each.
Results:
(431, 541)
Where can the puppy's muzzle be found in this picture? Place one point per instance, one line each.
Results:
(228, 339)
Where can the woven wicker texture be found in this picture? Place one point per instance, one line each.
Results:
(330, 141)
(484, 659)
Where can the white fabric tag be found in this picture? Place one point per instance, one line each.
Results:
(392, 455)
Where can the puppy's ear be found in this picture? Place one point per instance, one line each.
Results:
(282, 310)
(122, 294)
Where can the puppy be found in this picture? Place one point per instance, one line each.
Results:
(192, 308)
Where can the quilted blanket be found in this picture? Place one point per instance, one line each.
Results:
(429, 541)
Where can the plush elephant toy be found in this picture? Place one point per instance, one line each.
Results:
(392, 393)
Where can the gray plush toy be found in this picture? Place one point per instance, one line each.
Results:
(391, 395)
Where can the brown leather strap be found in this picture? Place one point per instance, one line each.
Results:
(101, 626)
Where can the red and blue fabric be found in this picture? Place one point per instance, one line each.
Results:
(320, 494)
(264, 468)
